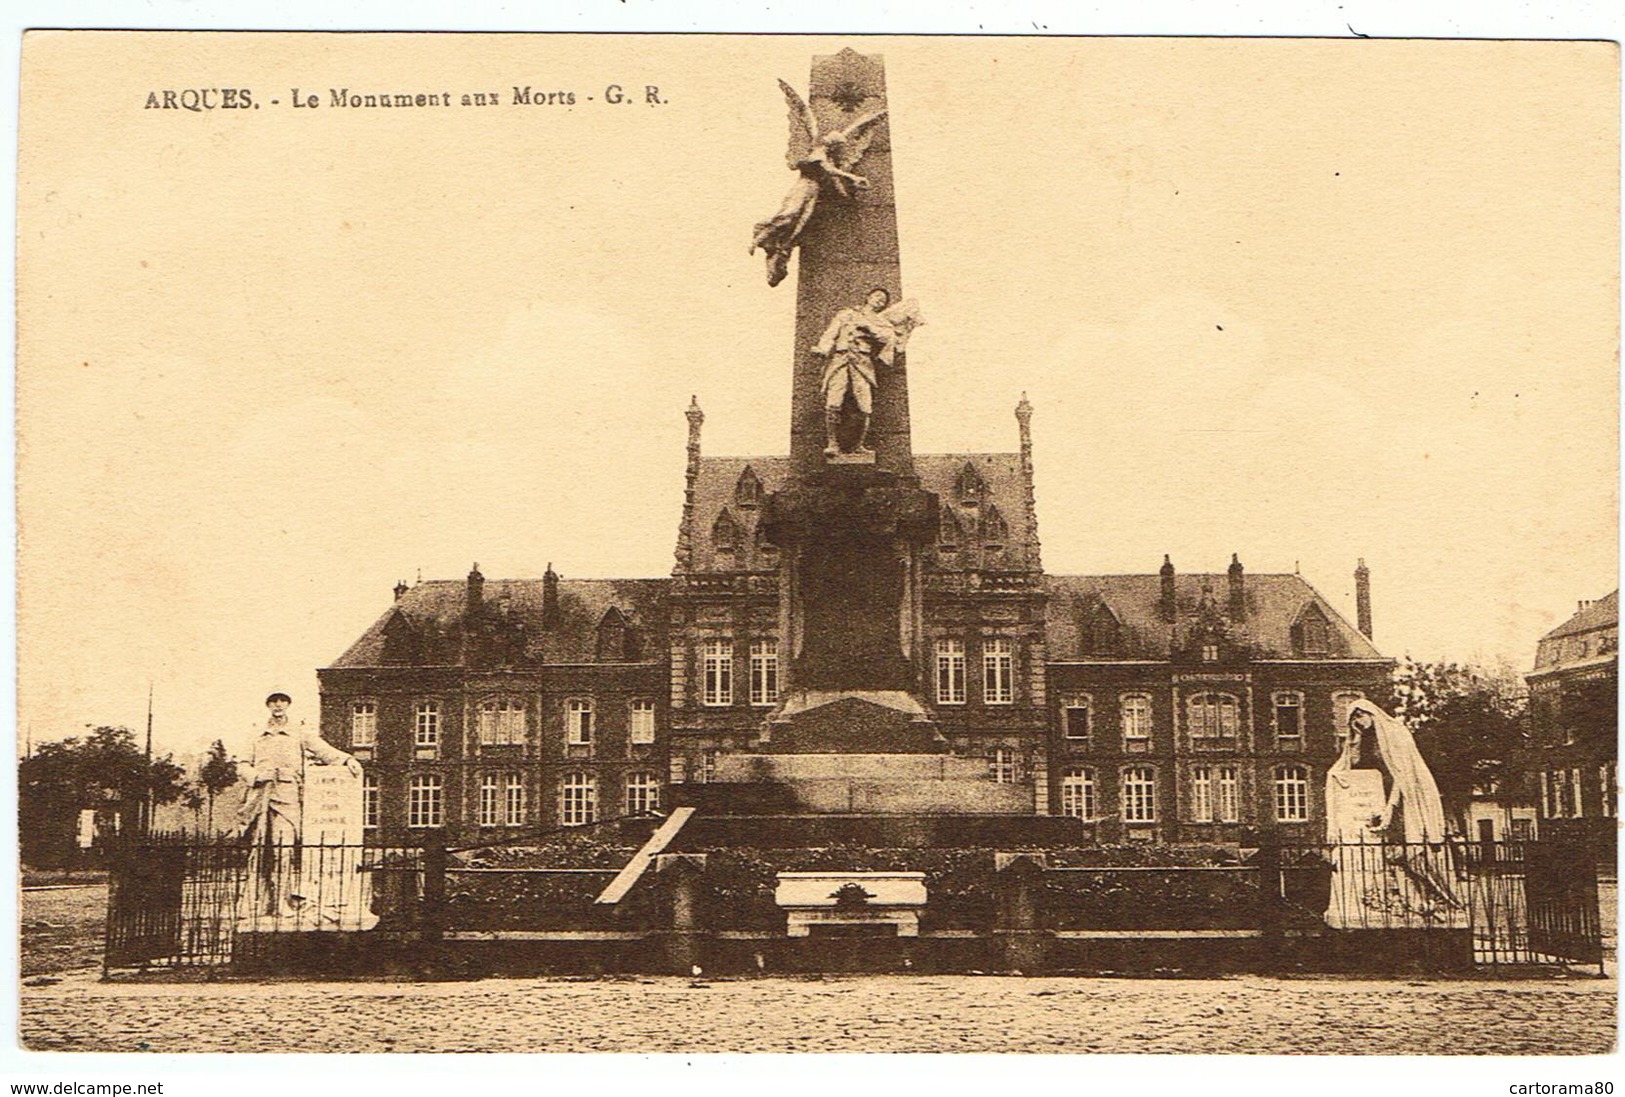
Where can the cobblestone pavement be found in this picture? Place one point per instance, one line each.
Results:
(877, 1013)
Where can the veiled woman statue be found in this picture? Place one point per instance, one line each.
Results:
(1385, 823)
(818, 159)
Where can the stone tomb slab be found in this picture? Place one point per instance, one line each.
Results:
(888, 901)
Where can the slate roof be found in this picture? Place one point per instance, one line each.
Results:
(1274, 604)
(435, 608)
(716, 488)
(1602, 613)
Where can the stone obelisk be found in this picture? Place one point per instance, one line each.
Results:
(852, 532)
(849, 248)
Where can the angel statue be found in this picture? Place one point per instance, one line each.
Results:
(815, 158)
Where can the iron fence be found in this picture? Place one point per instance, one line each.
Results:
(175, 901)
(1522, 902)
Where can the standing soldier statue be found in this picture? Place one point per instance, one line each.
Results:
(273, 814)
(857, 342)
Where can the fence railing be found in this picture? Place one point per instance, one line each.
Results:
(179, 902)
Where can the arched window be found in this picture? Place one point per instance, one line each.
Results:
(1078, 793)
(578, 799)
(1213, 716)
(1291, 794)
(1214, 795)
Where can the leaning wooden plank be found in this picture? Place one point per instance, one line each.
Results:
(658, 841)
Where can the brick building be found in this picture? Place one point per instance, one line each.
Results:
(1573, 707)
(1163, 706)
(855, 630)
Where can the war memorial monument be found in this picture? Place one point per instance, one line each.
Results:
(859, 727)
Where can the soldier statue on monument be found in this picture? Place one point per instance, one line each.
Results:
(273, 813)
(855, 344)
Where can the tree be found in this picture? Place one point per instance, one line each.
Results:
(1469, 722)
(219, 773)
(105, 771)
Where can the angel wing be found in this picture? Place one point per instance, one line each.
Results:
(848, 145)
(803, 126)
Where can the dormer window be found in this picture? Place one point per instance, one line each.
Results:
(1210, 652)
(995, 530)
(725, 532)
(1312, 634)
(618, 641)
(969, 487)
(1100, 630)
(748, 489)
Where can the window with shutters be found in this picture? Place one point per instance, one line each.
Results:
(641, 722)
(1213, 716)
(500, 722)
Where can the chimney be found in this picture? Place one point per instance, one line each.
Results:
(1168, 602)
(400, 589)
(476, 593)
(1238, 589)
(685, 536)
(1362, 597)
(550, 597)
(1024, 419)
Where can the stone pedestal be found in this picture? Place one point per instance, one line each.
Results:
(1023, 941)
(318, 883)
(681, 879)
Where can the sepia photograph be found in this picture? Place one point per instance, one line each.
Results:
(746, 543)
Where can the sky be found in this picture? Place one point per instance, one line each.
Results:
(1307, 302)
